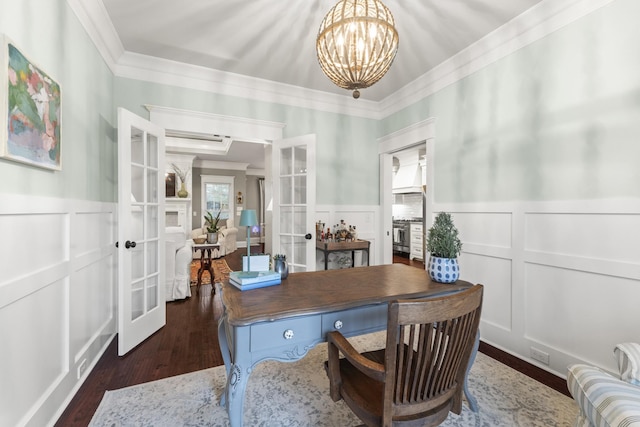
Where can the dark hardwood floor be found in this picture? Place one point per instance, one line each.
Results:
(189, 342)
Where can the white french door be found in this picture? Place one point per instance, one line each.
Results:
(294, 197)
(141, 274)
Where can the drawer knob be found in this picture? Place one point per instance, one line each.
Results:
(338, 324)
(288, 334)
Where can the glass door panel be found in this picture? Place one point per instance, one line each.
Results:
(140, 229)
(294, 192)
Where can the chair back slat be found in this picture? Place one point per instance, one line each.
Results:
(433, 344)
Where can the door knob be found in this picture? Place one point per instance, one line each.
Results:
(308, 236)
(129, 244)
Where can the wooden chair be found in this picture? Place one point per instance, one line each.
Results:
(419, 378)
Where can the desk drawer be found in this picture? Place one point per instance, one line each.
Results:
(285, 332)
(355, 321)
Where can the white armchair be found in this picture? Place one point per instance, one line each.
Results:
(227, 237)
(605, 400)
(178, 264)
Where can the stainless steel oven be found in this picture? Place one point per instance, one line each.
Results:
(401, 235)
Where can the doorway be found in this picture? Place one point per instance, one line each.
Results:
(421, 133)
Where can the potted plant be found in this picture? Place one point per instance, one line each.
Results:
(212, 226)
(444, 246)
(280, 265)
(183, 179)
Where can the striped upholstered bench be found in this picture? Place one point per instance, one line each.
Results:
(605, 400)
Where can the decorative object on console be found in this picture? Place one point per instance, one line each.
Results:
(356, 44)
(170, 185)
(444, 246)
(211, 224)
(183, 193)
(31, 104)
(248, 218)
(280, 265)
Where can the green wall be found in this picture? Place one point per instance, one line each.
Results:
(347, 151)
(556, 120)
(48, 33)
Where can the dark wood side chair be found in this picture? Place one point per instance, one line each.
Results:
(419, 378)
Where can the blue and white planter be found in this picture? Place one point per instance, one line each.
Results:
(443, 270)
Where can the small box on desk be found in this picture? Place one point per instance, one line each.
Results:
(247, 280)
(258, 263)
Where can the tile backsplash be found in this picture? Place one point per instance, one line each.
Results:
(407, 205)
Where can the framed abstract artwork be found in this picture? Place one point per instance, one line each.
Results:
(30, 111)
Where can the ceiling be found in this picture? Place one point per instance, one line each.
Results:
(275, 39)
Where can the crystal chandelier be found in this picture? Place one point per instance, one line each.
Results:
(357, 43)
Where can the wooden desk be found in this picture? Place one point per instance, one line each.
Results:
(357, 245)
(284, 322)
(205, 262)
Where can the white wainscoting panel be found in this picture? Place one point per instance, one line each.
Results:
(495, 274)
(560, 276)
(589, 313)
(34, 334)
(602, 235)
(57, 293)
(34, 241)
(485, 228)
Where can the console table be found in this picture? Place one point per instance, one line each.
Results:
(284, 322)
(356, 245)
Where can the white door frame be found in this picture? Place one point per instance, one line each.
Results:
(423, 131)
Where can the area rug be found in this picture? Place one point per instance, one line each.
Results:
(297, 394)
(220, 271)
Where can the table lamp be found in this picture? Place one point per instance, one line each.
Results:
(248, 219)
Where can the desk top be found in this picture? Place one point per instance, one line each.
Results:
(326, 291)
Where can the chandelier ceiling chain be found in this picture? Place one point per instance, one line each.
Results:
(356, 44)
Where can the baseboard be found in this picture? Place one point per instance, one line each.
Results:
(547, 378)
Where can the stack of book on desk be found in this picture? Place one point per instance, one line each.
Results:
(247, 280)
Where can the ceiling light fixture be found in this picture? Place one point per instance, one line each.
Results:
(357, 43)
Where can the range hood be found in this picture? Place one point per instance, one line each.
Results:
(408, 177)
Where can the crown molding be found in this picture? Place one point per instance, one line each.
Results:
(534, 24)
(94, 18)
(541, 20)
(158, 70)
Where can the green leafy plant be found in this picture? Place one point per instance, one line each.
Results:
(212, 223)
(277, 257)
(442, 238)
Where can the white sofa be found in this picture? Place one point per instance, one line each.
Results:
(178, 264)
(605, 400)
(227, 237)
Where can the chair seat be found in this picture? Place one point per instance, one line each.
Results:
(366, 394)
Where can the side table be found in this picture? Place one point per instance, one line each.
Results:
(206, 250)
(356, 245)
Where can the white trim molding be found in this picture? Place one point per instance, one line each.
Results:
(539, 21)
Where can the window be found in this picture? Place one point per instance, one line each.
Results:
(217, 195)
